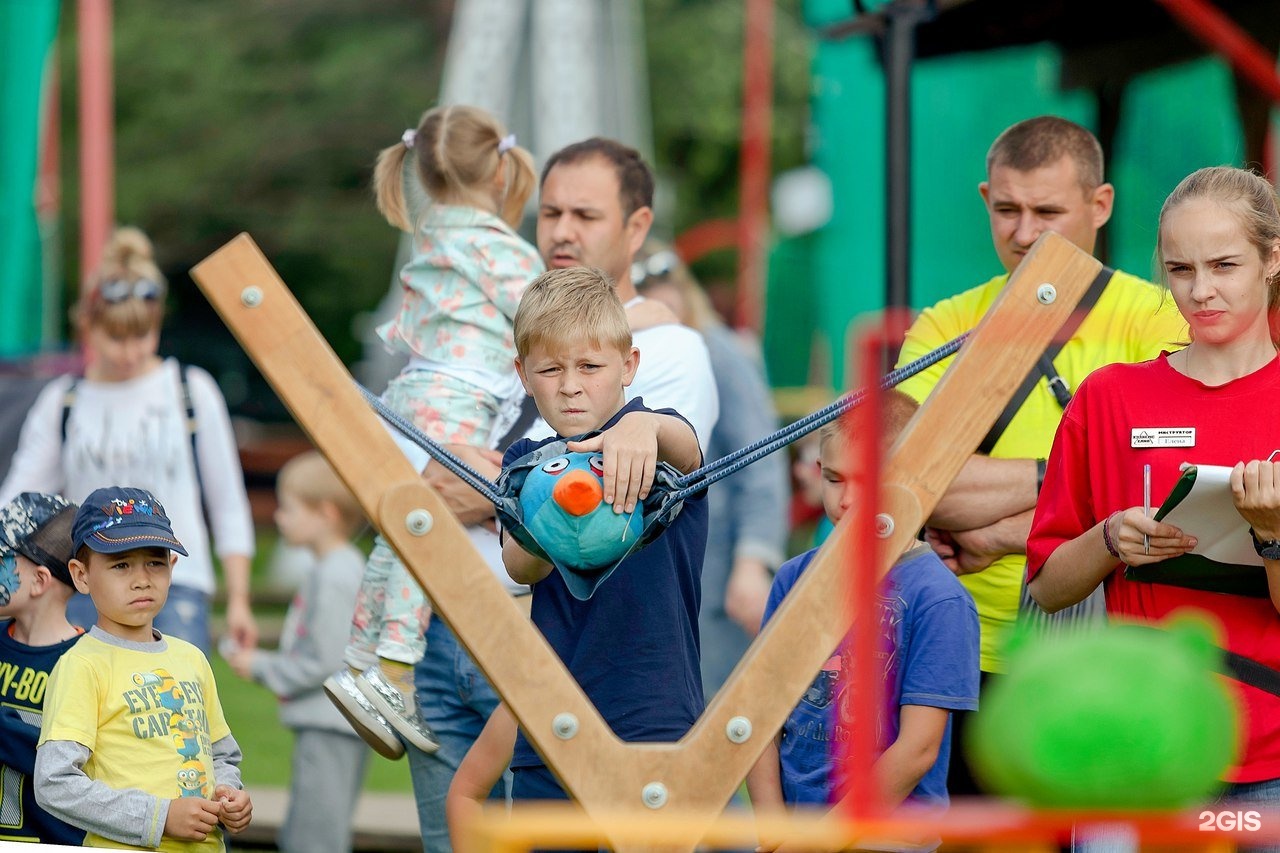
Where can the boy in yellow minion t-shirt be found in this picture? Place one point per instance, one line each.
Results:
(134, 747)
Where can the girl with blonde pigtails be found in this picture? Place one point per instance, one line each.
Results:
(461, 288)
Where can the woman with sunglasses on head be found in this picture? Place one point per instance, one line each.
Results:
(140, 420)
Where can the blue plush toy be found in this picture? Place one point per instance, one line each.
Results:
(552, 501)
(563, 509)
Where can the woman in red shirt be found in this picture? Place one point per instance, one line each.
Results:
(1215, 402)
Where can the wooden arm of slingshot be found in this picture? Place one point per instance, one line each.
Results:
(698, 775)
(293, 356)
(780, 665)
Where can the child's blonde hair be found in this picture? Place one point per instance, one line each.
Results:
(457, 151)
(311, 479)
(568, 306)
(896, 411)
(125, 296)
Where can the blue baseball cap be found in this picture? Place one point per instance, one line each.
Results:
(38, 526)
(118, 518)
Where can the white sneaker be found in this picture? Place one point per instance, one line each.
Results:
(372, 727)
(389, 702)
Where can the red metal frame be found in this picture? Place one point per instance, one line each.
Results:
(861, 793)
(1252, 61)
(48, 184)
(865, 799)
(712, 235)
(1207, 23)
(97, 133)
(757, 117)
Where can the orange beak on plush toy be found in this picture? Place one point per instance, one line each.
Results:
(578, 493)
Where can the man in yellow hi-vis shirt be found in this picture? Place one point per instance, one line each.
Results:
(1043, 174)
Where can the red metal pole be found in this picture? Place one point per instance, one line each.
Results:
(753, 192)
(865, 798)
(1251, 60)
(97, 143)
(859, 791)
(712, 235)
(48, 188)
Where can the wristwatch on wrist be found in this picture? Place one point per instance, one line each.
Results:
(1268, 549)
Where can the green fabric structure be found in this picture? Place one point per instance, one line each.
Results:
(789, 305)
(960, 103)
(27, 31)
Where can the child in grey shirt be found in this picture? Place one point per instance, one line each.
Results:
(315, 512)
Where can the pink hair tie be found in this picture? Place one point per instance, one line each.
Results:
(506, 143)
(408, 137)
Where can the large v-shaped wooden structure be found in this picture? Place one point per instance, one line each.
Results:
(699, 774)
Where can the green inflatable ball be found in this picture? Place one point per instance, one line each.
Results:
(1123, 716)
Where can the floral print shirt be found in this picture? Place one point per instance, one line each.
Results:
(461, 289)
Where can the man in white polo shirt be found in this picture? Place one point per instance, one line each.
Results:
(595, 209)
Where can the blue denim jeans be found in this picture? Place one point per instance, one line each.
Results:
(1235, 797)
(456, 700)
(1242, 796)
(185, 615)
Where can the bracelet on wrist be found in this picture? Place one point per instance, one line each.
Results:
(1106, 536)
(1041, 465)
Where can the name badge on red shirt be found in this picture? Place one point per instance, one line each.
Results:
(1162, 437)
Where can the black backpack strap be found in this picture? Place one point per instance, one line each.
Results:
(1044, 366)
(189, 407)
(1252, 672)
(68, 400)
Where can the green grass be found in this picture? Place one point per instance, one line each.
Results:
(267, 746)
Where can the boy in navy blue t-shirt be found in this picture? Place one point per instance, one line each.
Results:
(35, 586)
(928, 646)
(633, 645)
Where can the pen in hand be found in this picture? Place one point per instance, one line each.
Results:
(1146, 505)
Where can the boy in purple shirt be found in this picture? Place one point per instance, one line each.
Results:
(929, 648)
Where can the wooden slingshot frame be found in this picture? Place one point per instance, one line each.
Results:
(697, 775)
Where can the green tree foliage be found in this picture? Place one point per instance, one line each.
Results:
(266, 116)
(695, 80)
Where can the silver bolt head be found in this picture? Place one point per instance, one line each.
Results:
(1046, 294)
(565, 725)
(884, 525)
(419, 522)
(251, 296)
(738, 730)
(654, 795)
